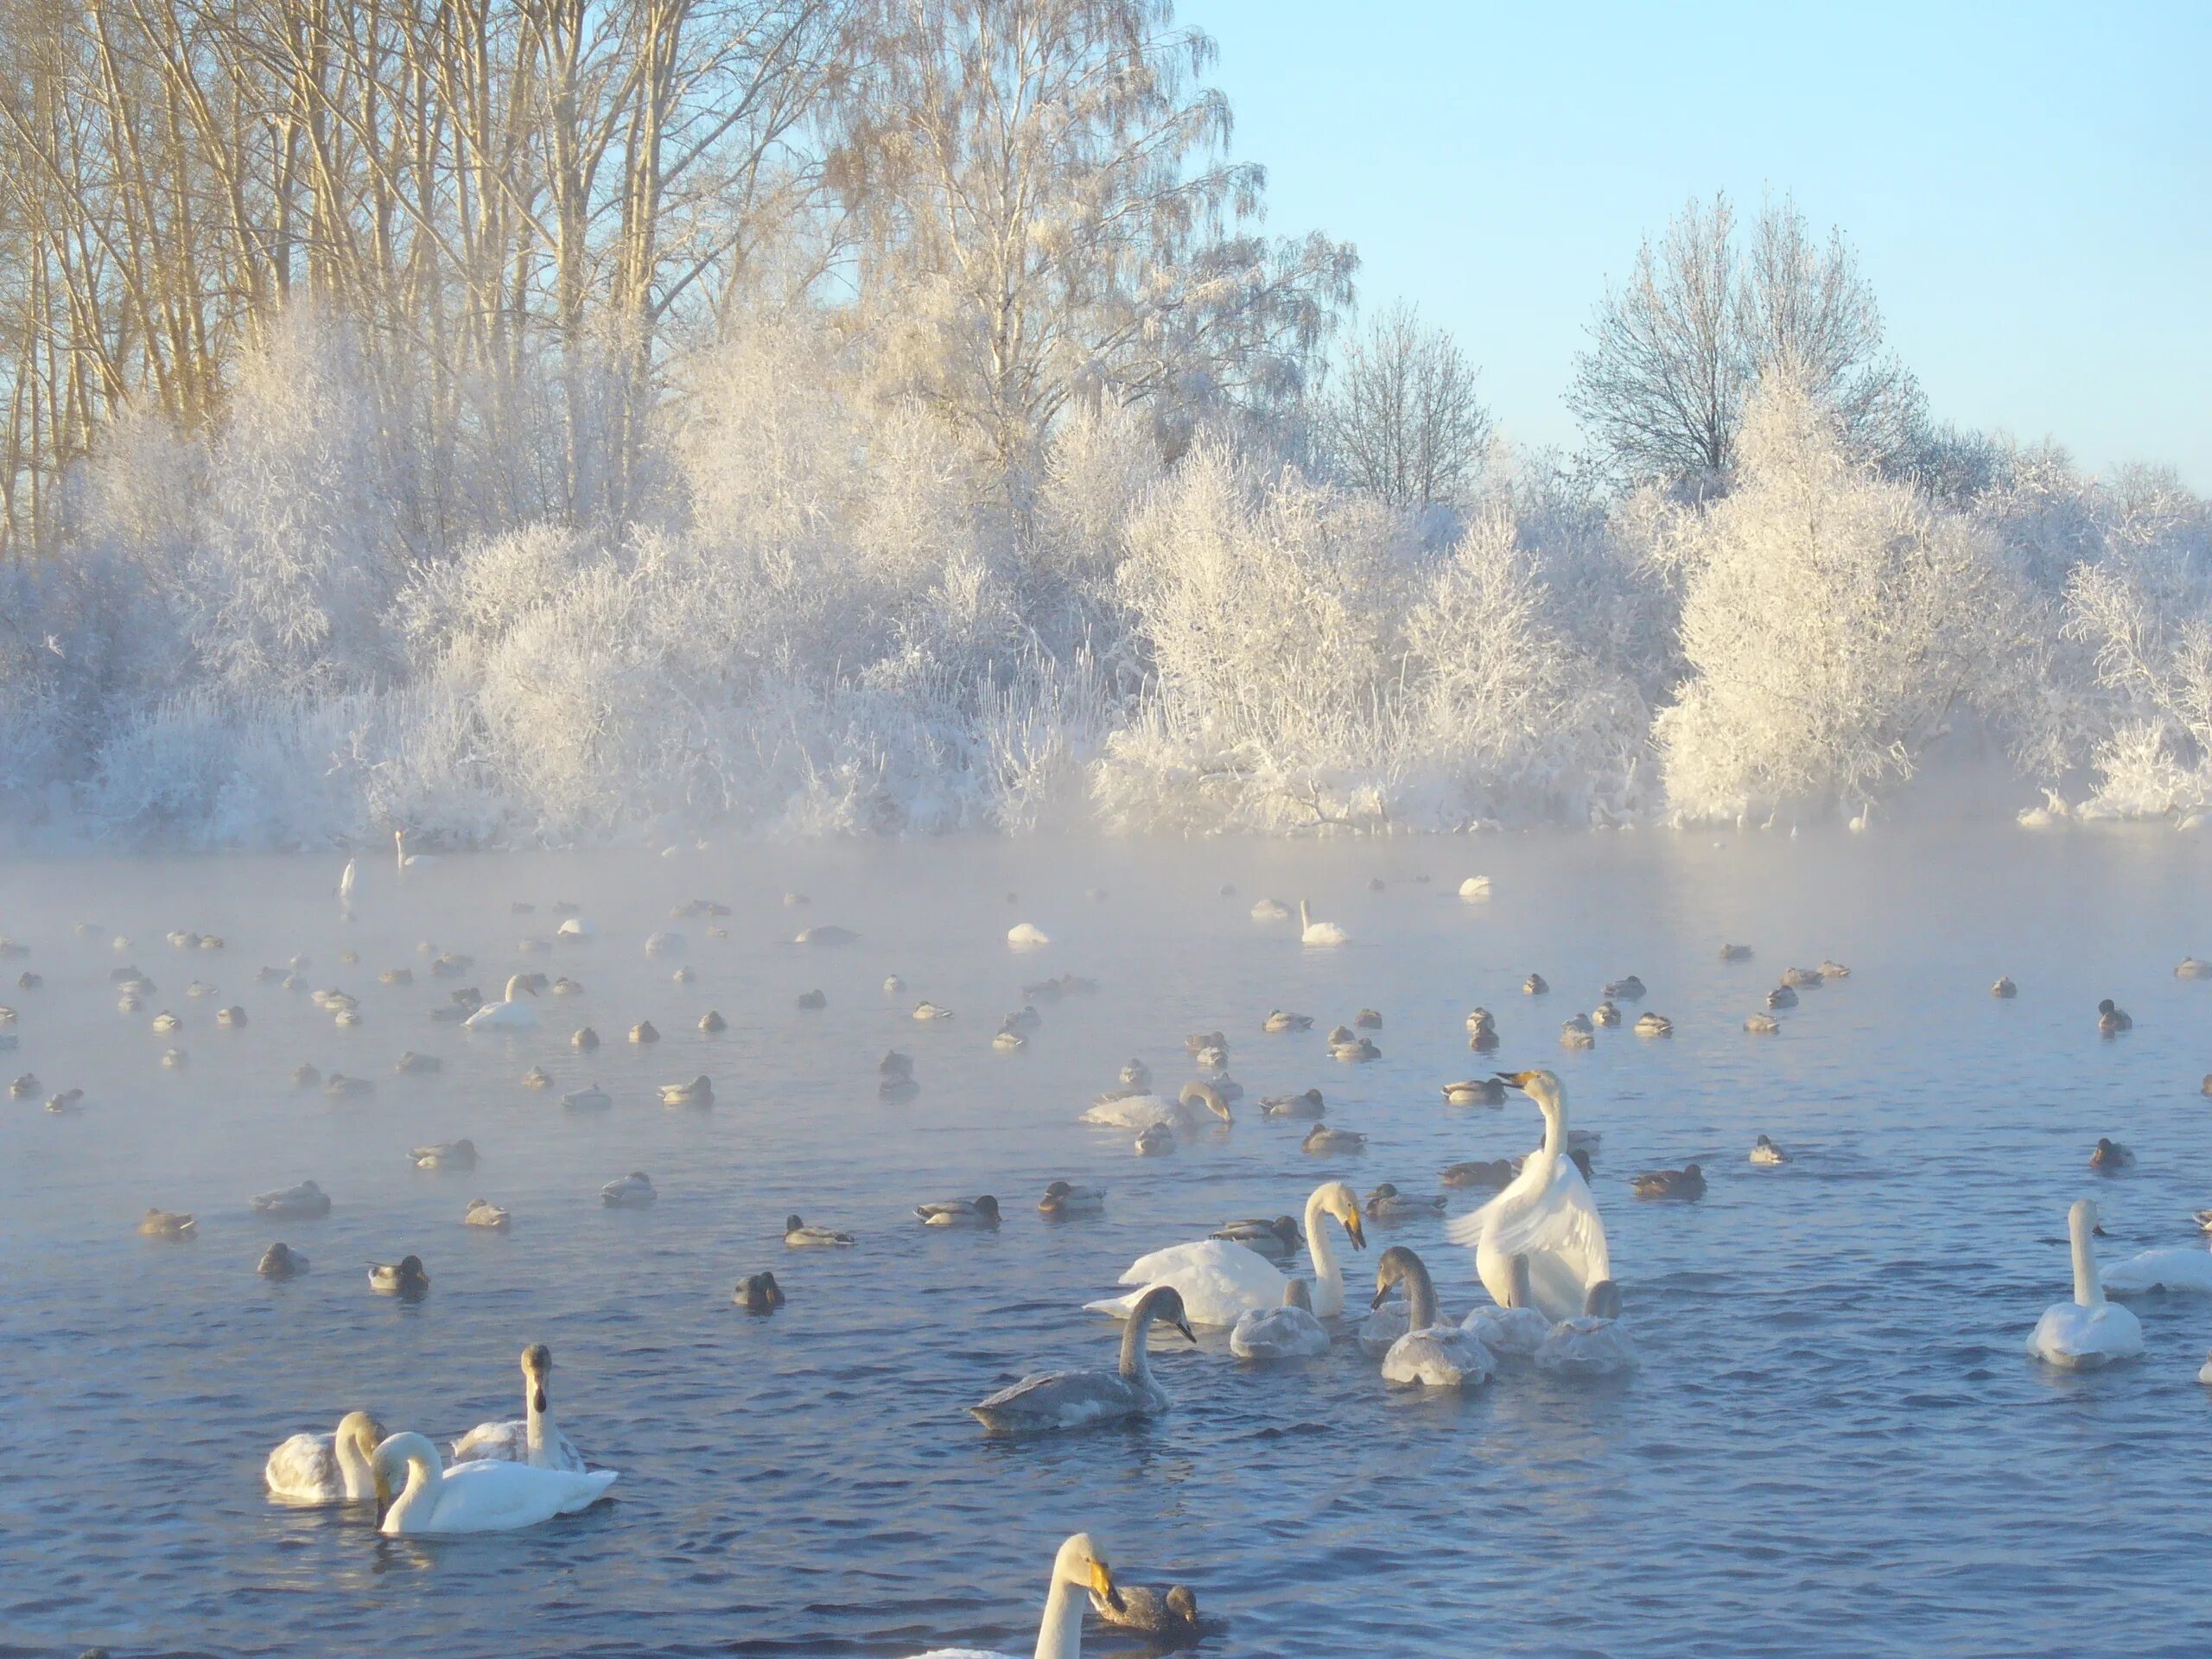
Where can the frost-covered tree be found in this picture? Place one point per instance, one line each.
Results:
(1402, 417)
(1833, 620)
(1704, 317)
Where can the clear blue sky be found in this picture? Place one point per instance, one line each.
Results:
(2029, 187)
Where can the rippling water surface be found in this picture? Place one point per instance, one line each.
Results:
(1835, 1442)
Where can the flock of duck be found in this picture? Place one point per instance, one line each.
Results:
(1539, 1244)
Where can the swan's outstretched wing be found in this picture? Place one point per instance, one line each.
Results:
(1558, 1229)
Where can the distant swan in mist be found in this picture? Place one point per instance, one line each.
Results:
(512, 1014)
(1027, 936)
(408, 860)
(2054, 811)
(1859, 825)
(1313, 932)
(531, 1438)
(1076, 1569)
(346, 883)
(2089, 1331)
(480, 1496)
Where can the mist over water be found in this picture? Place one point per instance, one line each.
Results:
(1835, 1439)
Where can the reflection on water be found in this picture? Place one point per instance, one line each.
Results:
(1834, 1429)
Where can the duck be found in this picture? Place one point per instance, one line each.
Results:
(1475, 1091)
(1386, 1202)
(1607, 1015)
(1290, 1331)
(643, 1032)
(1762, 1025)
(25, 1087)
(1654, 1025)
(280, 1260)
(1049, 1401)
(1494, 1172)
(1546, 1213)
(1802, 979)
(712, 1022)
(445, 1154)
(2004, 987)
(1359, 1050)
(1735, 953)
(1781, 997)
(1278, 1022)
(1324, 1140)
(1219, 1279)
(1767, 1155)
(585, 1038)
(1064, 1198)
(1136, 1075)
(1475, 886)
(812, 1002)
(927, 1011)
(759, 1293)
(339, 1086)
(631, 1191)
(2112, 1020)
(323, 1471)
(1007, 1040)
(175, 1059)
(168, 1223)
(797, 1235)
(165, 1021)
(1078, 1568)
(2109, 1155)
(397, 976)
(666, 942)
(412, 1064)
(1027, 936)
(512, 1014)
(1831, 968)
(404, 1278)
(1309, 1104)
(480, 1495)
(537, 1078)
(2088, 1332)
(1576, 1031)
(1535, 985)
(1481, 1022)
(960, 1212)
(531, 1438)
(1431, 1353)
(1686, 1183)
(576, 928)
(482, 1213)
(2193, 967)
(700, 1092)
(566, 986)
(307, 1199)
(1278, 1240)
(1154, 1141)
(1313, 933)
(1624, 990)
(825, 936)
(1270, 910)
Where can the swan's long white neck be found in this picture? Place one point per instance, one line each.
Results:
(537, 1419)
(1305, 914)
(359, 1479)
(1328, 1273)
(1135, 1365)
(1060, 1637)
(1553, 1107)
(514, 989)
(425, 1475)
(1420, 1295)
(2088, 1288)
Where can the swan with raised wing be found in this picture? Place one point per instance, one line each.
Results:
(1547, 1215)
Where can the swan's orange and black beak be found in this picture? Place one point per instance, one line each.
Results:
(1514, 1079)
(1101, 1585)
(1355, 1231)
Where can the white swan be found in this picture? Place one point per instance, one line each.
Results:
(2089, 1331)
(2172, 1269)
(1515, 1327)
(1433, 1353)
(1313, 932)
(1186, 1113)
(479, 1496)
(1545, 1215)
(346, 884)
(1595, 1345)
(1027, 936)
(322, 1469)
(1290, 1331)
(1270, 910)
(513, 1015)
(530, 1438)
(409, 860)
(1078, 1572)
(1220, 1280)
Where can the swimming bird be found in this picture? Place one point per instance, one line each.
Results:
(233, 1016)
(576, 929)
(1309, 1104)
(1278, 1021)
(281, 1261)
(1357, 1049)
(1475, 886)
(1535, 985)
(759, 1293)
(1136, 1075)
(1187, 1113)
(1027, 936)
(960, 1212)
(585, 1038)
(797, 1235)
(1515, 1329)
(1802, 979)
(1290, 1331)
(1078, 1568)
(825, 936)
(445, 1154)
(1171, 1620)
(1475, 1091)
(1762, 1025)
(1270, 910)
(1686, 1183)
(593, 1099)
(644, 1031)
(306, 1200)
(2088, 1332)
(168, 1223)
(1325, 1140)
(2193, 967)
(1605, 1015)
(700, 1092)
(1654, 1025)
(408, 860)
(2111, 1020)
(1494, 1172)
(1063, 1199)
(1313, 932)
(631, 1191)
(1594, 1344)
(1386, 1202)
(2178, 1271)
(928, 1011)
(1482, 1029)
(2109, 1155)
(1735, 953)
(1766, 1153)
(537, 1078)
(1277, 1240)
(1219, 1279)
(314, 1470)
(404, 1278)
(1546, 1213)
(480, 1495)
(1781, 997)
(1624, 990)
(512, 1014)
(1154, 1141)
(412, 1064)
(2004, 987)
(1084, 1399)
(1431, 1354)
(532, 1438)
(339, 1086)
(1576, 1031)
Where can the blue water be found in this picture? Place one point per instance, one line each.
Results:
(1835, 1443)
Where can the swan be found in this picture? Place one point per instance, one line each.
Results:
(346, 884)
(1220, 1280)
(2089, 1331)
(1270, 910)
(1546, 1214)
(1051, 1399)
(480, 1495)
(1290, 1331)
(409, 860)
(325, 1469)
(1516, 1328)
(576, 927)
(1078, 1568)
(1313, 932)
(1027, 936)
(293, 1202)
(512, 1014)
(1147, 1111)
(530, 1438)
(2173, 1270)
(1430, 1354)
(1595, 1344)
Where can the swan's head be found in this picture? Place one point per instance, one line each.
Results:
(517, 986)
(536, 1367)
(1398, 1266)
(396, 1453)
(362, 1431)
(1080, 1563)
(1339, 1200)
(1164, 1303)
(1295, 1294)
(1542, 1087)
(1206, 1095)
(2081, 1221)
